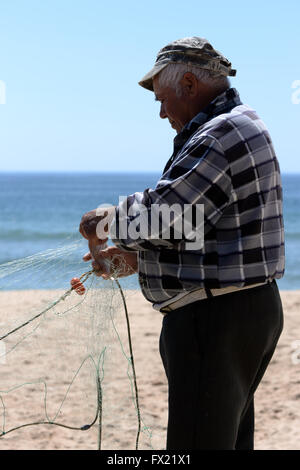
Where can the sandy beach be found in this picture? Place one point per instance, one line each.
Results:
(62, 351)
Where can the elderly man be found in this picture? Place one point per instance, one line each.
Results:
(221, 305)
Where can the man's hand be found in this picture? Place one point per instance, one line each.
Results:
(107, 262)
(112, 261)
(97, 223)
(119, 263)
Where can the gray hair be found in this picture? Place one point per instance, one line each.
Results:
(171, 75)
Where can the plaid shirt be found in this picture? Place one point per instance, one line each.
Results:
(224, 159)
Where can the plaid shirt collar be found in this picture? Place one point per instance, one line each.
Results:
(223, 103)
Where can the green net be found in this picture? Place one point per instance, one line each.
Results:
(67, 370)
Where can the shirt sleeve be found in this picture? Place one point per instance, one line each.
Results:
(198, 182)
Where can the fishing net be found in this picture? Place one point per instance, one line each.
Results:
(66, 361)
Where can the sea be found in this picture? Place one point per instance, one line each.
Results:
(40, 213)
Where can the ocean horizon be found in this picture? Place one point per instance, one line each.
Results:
(40, 211)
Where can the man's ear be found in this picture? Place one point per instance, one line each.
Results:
(190, 84)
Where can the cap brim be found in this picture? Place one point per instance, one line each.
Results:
(146, 81)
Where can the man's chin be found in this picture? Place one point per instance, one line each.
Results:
(176, 128)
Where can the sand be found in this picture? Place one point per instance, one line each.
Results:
(54, 352)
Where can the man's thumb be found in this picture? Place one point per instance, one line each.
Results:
(87, 257)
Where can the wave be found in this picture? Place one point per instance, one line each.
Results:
(28, 235)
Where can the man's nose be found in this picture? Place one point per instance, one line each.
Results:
(162, 112)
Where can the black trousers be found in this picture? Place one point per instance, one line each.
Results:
(215, 352)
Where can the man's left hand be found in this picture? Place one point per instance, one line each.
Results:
(112, 261)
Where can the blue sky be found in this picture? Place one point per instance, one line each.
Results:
(71, 70)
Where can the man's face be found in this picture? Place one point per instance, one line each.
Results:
(173, 107)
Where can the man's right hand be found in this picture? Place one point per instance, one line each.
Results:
(107, 261)
(90, 225)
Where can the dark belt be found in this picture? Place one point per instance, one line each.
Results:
(204, 293)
